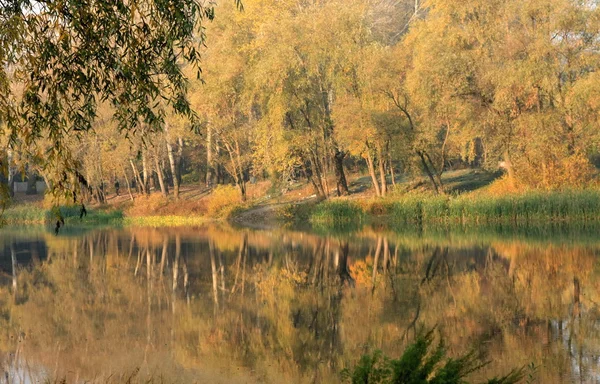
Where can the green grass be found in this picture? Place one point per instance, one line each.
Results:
(337, 213)
(32, 214)
(528, 209)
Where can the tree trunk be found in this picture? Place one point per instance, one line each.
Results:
(309, 176)
(146, 181)
(127, 182)
(242, 181)
(138, 178)
(341, 183)
(318, 175)
(236, 168)
(428, 171)
(392, 171)
(161, 180)
(172, 163)
(369, 160)
(381, 162)
(180, 164)
(209, 157)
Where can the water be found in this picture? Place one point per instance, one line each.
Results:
(223, 305)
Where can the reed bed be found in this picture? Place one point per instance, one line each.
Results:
(529, 208)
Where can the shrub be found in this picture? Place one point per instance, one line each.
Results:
(420, 364)
(223, 200)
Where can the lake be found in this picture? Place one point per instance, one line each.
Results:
(223, 305)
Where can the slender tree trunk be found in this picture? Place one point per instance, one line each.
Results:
(392, 171)
(309, 175)
(209, 156)
(381, 161)
(172, 163)
(236, 172)
(161, 180)
(179, 159)
(369, 160)
(242, 181)
(138, 178)
(146, 181)
(318, 174)
(428, 171)
(437, 174)
(127, 182)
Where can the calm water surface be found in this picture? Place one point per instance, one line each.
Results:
(223, 305)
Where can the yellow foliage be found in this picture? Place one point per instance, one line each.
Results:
(223, 200)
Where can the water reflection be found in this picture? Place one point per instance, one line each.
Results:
(222, 305)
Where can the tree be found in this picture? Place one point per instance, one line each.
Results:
(71, 56)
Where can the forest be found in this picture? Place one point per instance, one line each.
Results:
(311, 91)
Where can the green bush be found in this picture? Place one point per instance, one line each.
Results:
(420, 364)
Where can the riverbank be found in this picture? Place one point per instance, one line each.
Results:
(473, 199)
(530, 208)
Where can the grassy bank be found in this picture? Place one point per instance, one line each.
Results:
(532, 208)
(36, 214)
(26, 214)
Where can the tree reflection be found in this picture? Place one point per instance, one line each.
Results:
(289, 306)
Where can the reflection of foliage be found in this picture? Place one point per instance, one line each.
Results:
(419, 364)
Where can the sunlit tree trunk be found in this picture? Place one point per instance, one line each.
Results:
(161, 180)
(209, 156)
(371, 167)
(318, 173)
(237, 170)
(381, 161)
(391, 169)
(127, 182)
(146, 174)
(172, 162)
(180, 159)
(138, 178)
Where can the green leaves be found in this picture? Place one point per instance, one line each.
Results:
(420, 364)
(67, 54)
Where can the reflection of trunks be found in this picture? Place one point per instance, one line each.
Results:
(26, 252)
